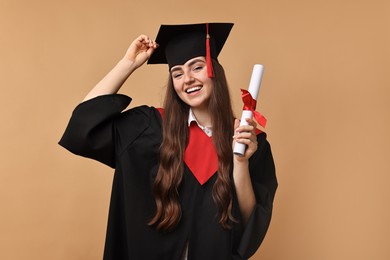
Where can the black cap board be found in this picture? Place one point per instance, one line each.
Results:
(180, 43)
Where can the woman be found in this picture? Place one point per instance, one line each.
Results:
(178, 190)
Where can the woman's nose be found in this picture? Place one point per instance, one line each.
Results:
(188, 78)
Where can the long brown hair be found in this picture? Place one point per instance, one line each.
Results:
(175, 139)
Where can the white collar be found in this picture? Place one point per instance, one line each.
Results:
(191, 118)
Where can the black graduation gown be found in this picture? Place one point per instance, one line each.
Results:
(129, 142)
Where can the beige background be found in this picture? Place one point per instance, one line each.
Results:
(325, 93)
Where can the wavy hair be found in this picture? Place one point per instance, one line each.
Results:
(175, 139)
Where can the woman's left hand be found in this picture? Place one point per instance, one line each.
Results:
(245, 134)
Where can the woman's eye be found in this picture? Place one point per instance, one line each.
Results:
(176, 75)
(198, 68)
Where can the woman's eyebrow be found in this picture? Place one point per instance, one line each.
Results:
(175, 69)
(189, 64)
(195, 61)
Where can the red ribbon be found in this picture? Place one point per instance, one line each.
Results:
(250, 104)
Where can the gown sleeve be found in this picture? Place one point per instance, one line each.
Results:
(262, 172)
(90, 131)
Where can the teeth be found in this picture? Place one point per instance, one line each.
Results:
(192, 89)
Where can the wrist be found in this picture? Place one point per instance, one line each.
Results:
(126, 65)
(240, 162)
(240, 170)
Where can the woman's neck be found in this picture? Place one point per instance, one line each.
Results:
(202, 116)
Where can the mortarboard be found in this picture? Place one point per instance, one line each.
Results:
(180, 43)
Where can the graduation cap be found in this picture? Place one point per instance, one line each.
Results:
(180, 43)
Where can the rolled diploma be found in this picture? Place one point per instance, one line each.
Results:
(253, 89)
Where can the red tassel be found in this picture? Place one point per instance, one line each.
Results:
(210, 71)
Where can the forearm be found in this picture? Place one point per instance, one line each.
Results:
(114, 80)
(244, 189)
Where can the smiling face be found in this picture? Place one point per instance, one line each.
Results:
(192, 83)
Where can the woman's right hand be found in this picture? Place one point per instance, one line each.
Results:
(140, 50)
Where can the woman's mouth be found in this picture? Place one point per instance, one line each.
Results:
(193, 89)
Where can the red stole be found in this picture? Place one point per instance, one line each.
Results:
(200, 154)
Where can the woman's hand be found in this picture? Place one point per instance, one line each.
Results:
(245, 134)
(140, 50)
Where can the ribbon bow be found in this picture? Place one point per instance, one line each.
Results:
(250, 104)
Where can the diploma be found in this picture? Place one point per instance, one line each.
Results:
(253, 89)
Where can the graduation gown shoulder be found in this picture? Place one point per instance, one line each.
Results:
(129, 141)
